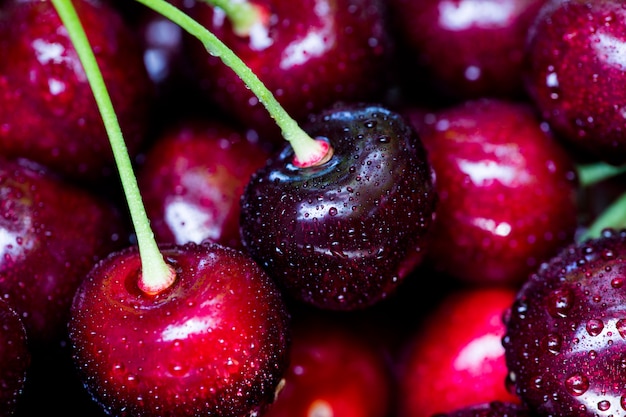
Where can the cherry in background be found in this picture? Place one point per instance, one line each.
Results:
(53, 232)
(214, 342)
(343, 235)
(15, 358)
(507, 190)
(462, 49)
(490, 409)
(49, 113)
(334, 370)
(455, 358)
(575, 60)
(192, 179)
(564, 338)
(337, 50)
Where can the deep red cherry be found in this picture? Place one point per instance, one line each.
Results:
(575, 59)
(192, 180)
(565, 340)
(455, 358)
(52, 234)
(463, 49)
(334, 371)
(507, 191)
(15, 359)
(309, 53)
(49, 113)
(343, 235)
(490, 409)
(214, 343)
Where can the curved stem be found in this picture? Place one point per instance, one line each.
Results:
(156, 273)
(308, 151)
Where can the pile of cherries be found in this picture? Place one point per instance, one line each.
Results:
(417, 212)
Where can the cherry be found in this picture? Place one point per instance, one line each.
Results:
(214, 342)
(172, 330)
(457, 349)
(333, 370)
(15, 359)
(463, 49)
(343, 234)
(575, 59)
(564, 338)
(490, 409)
(53, 233)
(507, 190)
(49, 114)
(337, 51)
(192, 179)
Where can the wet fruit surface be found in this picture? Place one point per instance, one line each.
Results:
(214, 343)
(15, 359)
(49, 114)
(507, 191)
(566, 334)
(575, 59)
(344, 234)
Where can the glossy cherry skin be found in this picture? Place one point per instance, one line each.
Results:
(507, 191)
(575, 60)
(564, 340)
(15, 359)
(490, 409)
(53, 233)
(49, 112)
(214, 343)
(458, 350)
(335, 371)
(337, 50)
(344, 234)
(192, 179)
(464, 49)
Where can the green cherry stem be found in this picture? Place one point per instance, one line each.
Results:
(156, 274)
(243, 15)
(614, 216)
(308, 151)
(593, 173)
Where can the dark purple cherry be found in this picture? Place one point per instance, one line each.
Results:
(49, 114)
(343, 235)
(565, 340)
(52, 234)
(215, 342)
(15, 359)
(575, 61)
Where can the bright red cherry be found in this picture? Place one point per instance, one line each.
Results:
(215, 342)
(455, 358)
(334, 371)
(507, 191)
